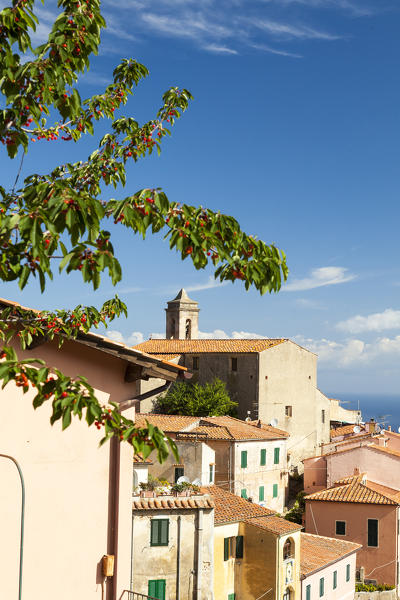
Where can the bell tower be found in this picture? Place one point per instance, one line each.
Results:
(182, 318)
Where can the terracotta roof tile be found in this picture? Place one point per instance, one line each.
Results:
(230, 508)
(357, 492)
(199, 346)
(168, 503)
(345, 430)
(138, 459)
(275, 430)
(217, 428)
(274, 524)
(317, 552)
(384, 449)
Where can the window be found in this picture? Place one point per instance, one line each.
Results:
(323, 416)
(276, 456)
(321, 587)
(373, 532)
(340, 527)
(233, 547)
(347, 572)
(188, 329)
(275, 490)
(157, 588)
(234, 363)
(263, 457)
(231, 596)
(287, 595)
(308, 592)
(243, 459)
(159, 532)
(243, 493)
(334, 580)
(195, 363)
(211, 473)
(288, 549)
(179, 472)
(288, 411)
(261, 493)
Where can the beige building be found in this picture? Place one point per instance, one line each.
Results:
(274, 380)
(78, 503)
(172, 547)
(247, 459)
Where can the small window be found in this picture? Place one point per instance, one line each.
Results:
(373, 533)
(323, 416)
(275, 490)
(334, 580)
(233, 547)
(239, 546)
(263, 457)
(243, 493)
(340, 527)
(261, 493)
(288, 411)
(156, 588)
(308, 592)
(179, 472)
(321, 587)
(276, 456)
(188, 329)
(195, 363)
(211, 473)
(234, 363)
(243, 459)
(347, 572)
(159, 532)
(288, 549)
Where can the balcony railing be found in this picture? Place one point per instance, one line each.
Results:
(129, 595)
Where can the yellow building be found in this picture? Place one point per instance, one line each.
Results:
(256, 553)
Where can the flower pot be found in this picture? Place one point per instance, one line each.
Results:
(147, 494)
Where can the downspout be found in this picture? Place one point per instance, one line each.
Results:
(277, 591)
(178, 557)
(199, 553)
(115, 454)
(231, 467)
(131, 576)
(21, 543)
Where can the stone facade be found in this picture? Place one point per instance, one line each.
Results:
(182, 318)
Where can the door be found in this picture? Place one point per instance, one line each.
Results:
(157, 588)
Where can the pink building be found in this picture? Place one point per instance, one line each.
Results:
(327, 568)
(359, 510)
(78, 504)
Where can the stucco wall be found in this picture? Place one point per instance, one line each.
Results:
(195, 457)
(315, 474)
(224, 570)
(344, 589)
(288, 377)
(160, 562)
(343, 415)
(379, 563)
(380, 467)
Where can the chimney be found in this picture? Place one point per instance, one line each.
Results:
(356, 471)
(370, 426)
(389, 428)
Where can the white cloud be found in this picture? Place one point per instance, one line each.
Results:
(388, 319)
(136, 337)
(220, 49)
(290, 31)
(209, 284)
(319, 278)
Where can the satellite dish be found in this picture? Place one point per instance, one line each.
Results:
(197, 481)
(378, 429)
(398, 429)
(183, 479)
(248, 418)
(274, 422)
(356, 429)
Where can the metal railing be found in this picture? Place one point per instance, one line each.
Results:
(129, 595)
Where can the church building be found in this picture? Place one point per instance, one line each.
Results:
(272, 380)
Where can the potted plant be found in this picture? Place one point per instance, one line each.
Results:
(148, 488)
(179, 489)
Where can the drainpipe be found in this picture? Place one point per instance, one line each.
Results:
(199, 553)
(21, 543)
(178, 557)
(131, 577)
(231, 467)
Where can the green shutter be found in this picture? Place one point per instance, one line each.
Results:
(261, 493)
(243, 493)
(347, 572)
(334, 580)
(263, 457)
(243, 459)
(156, 588)
(275, 490)
(276, 456)
(231, 596)
(308, 592)
(154, 533)
(159, 532)
(164, 529)
(321, 587)
(226, 548)
(239, 546)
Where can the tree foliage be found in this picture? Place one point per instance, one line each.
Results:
(56, 220)
(210, 399)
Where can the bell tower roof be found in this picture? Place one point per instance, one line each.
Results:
(182, 297)
(182, 317)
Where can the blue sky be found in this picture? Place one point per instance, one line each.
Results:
(294, 130)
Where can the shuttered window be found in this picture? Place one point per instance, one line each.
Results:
(243, 493)
(261, 493)
(157, 588)
(243, 459)
(159, 532)
(239, 546)
(321, 587)
(263, 457)
(347, 572)
(373, 532)
(276, 456)
(308, 592)
(275, 490)
(334, 580)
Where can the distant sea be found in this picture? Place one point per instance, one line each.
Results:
(385, 409)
